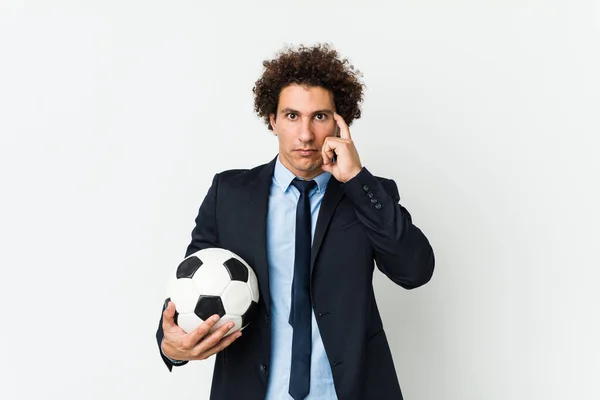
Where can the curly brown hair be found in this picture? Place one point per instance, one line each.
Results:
(319, 65)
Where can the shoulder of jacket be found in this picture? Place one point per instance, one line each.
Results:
(231, 173)
(240, 175)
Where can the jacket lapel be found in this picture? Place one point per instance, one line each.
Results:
(332, 197)
(259, 204)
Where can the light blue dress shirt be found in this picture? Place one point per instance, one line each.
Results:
(281, 234)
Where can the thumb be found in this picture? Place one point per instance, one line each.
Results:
(328, 167)
(168, 316)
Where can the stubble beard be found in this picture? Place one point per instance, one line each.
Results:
(306, 166)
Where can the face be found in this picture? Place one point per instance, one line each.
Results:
(304, 119)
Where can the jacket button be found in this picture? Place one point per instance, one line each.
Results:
(365, 188)
(263, 369)
(373, 201)
(378, 206)
(370, 194)
(266, 318)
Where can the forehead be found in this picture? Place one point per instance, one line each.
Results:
(305, 98)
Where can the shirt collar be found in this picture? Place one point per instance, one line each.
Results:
(284, 177)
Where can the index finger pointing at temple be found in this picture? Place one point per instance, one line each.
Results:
(344, 130)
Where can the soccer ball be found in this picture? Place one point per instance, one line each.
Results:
(213, 281)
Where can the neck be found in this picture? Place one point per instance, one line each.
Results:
(307, 176)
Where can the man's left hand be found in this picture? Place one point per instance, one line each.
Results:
(347, 164)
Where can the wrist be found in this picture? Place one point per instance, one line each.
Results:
(173, 361)
(354, 174)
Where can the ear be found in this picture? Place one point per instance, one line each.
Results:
(273, 122)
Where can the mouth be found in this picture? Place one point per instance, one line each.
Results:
(305, 152)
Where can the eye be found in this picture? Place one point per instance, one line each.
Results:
(291, 116)
(320, 117)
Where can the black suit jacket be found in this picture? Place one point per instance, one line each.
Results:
(359, 222)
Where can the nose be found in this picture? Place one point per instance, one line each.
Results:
(305, 134)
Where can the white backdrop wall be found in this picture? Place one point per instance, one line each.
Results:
(115, 115)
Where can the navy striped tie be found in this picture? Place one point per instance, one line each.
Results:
(301, 309)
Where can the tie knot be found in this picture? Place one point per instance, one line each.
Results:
(303, 186)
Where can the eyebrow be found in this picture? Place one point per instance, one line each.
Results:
(290, 110)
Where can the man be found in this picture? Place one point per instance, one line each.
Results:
(311, 223)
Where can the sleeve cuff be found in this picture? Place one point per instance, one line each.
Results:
(365, 190)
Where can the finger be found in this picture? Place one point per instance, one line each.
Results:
(212, 338)
(344, 129)
(326, 159)
(195, 336)
(327, 168)
(223, 344)
(327, 151)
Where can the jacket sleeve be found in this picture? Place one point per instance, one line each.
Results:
(402, 252)
(204, 235)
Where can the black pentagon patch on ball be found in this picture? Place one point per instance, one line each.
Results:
(250, 314)
(188, 267)
(208, 306)
(237, 270)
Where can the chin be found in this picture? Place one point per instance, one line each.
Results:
(308, 164)
(304, 164)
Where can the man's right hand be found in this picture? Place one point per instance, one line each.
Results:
(199, 344)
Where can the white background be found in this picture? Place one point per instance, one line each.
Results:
(115, 115)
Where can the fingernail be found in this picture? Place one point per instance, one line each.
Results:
(230, 325)
(215, 318)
